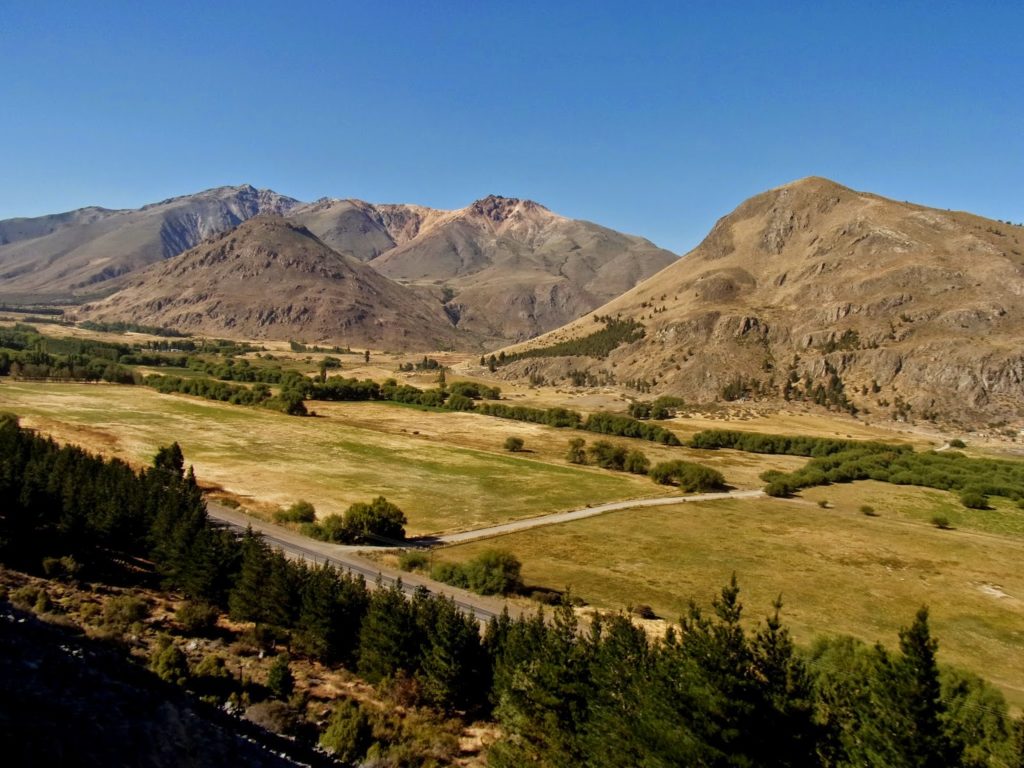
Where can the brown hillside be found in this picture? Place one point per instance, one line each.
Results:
(512, 268)
(272, 279)
(907, 305)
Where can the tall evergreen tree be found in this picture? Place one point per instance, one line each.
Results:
(387, 637)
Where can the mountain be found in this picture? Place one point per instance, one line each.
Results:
(273, 279)
(819, 291)
(506, 268)
(83, 252)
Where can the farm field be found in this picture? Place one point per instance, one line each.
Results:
(838, 571)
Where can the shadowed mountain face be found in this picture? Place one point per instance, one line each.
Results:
(814, 282)
(84, 252)
(273, 279)
(506, 268)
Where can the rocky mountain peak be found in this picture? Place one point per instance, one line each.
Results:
(499, 209)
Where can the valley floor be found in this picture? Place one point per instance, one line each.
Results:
(837, 569)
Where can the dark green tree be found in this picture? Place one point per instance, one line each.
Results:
(170, 459)
(387, 637)
(280, 679)
(378, 521)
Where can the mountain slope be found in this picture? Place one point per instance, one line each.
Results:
(506, 269)
(273, 279)
(515, 268)
(81, 252)
(901, 309)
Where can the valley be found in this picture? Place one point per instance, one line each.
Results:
(314, 361)
(837, 568)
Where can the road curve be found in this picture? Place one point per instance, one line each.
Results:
(346, 558)
(579, 514)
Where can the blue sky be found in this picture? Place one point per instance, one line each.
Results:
(651, 118)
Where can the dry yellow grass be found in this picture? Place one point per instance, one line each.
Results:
(837, 571)
(447, 471)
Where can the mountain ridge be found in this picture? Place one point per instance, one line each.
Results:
(270, 278)
(890, 307)
(504, 268)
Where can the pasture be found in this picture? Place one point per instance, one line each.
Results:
(837, 570)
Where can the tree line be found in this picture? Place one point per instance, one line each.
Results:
(844, 461)
(599, 344)
(711, 692)
(602, 423)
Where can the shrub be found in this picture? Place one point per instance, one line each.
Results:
(26, 596)
(274, 716)
(941, 522)
(973, 499)
(608, 455)
(169, 663)
(43, 603)
(369, 523)
(637, 463)
(280, 680)
(450, 573)
(197, 618)
(334, 528)
(349, 734)
(493, 572)
(299, 512)
(868, 510)
(458, 402)
(956, 442)
(577, 454)
(413, 561)
(514, 444)
(61, 567)
(119, 613)
(779, 489)
(690, 477)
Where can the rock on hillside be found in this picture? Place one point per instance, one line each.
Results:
(273, 279)
(84, 252)
(903, 310)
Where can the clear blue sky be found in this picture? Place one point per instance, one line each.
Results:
(652, 118)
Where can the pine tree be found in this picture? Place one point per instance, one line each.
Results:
(451, 660)
(246, 599)
(170, 459)
(387, 638)
(926, 743)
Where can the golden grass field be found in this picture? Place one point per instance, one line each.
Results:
(448, 471)
(838, 571)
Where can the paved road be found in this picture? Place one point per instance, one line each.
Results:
(579, 514)
(347, 558)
